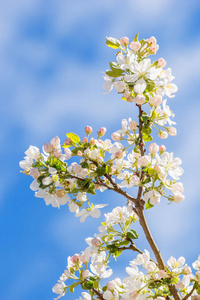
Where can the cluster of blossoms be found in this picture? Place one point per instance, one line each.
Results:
(55, 180)
(88, 268)
(69, 173)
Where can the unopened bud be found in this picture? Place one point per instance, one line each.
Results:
(100, 159)
(79, 153)
(92, 141)
(57, 153)
(75, 259)
(34, 172)
(60, 193)
(68, 153)
(162, 149)
(172, 131)
(153, 148)
(96, 242)
(155, 101)
(124, 41)
(88, 130)
(132, 125)
(119, 154)
(48, 148)
(84, 140)
(135, 46)
(152, 41)
(101, 131)
(139, 99)
(115, 136)
(163, 134)
(68, 141)
(161, 63)
(85, 273)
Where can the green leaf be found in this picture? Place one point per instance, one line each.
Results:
(124, 243)
(112, 248)
(149, 205)
(101, 171)
(136, 37)
(75, 150)
(91, 189)
(85, 165)
(115, 73)
(112, 42)
(72, 287)
(132, 234)
(147, 138)
(74, 137)
(118, 252)
(88, 285)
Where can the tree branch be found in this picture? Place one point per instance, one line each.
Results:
(140, 211)
(190, 294)
(98, 294)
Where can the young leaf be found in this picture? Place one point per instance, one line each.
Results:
(132, 234)
(74, 137)
(112, 42)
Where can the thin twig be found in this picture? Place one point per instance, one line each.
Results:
(98, 294)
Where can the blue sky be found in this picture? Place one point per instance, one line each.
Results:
(52, 54)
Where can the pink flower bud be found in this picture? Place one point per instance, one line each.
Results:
(100, 159)
(162, 273)
(152, 41)
(153, 148)
(115, 136)
(155, 101)
(34, 172)
(126, 94)
(57, 153)
(88, 130)
(143, 160)
(84, 140)
(96, 242)
(101, 131)
(120, 86)
(156, 168)
(68, 153)
(124, 41)
(162, 148)
(135, 46)
(172, 131)
(130, 99)
(68, 141)
(119, 154)
(133, 294)
(60, 193)
(163, 134)
(161, 63)
(79, 153)
(132, 125)
(111, 285)
(187, 270)
(75, 259)
(85, 273)
(139, 99)
(92, 141)
(152, 50)
(178, 198)
(48, 148)
(55, 142)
